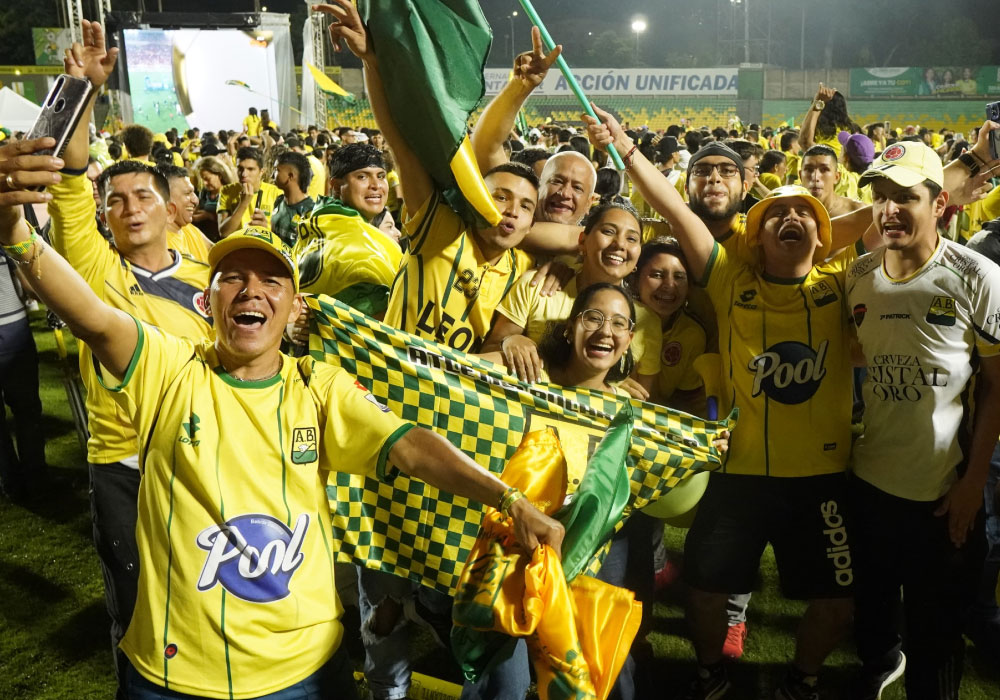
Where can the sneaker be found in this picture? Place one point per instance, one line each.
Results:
(732, 648)
(868, 686)
(666, 576)
(709, 685)
(796, 687)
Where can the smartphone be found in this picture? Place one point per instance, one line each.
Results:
(993, 114)
(61, 112)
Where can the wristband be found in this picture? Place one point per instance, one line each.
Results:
(509, 498)
(627, 158)
(21, 247)
(968, 161)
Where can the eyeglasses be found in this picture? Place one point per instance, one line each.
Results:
(593, 320)
(703, 170)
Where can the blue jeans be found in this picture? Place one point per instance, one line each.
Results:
(334, 681)
(387, 656)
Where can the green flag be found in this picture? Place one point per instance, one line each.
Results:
(431, 55)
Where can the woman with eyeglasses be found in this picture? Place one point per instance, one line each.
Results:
(610, 246)
(590, 348)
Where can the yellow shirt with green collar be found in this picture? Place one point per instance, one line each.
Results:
(236, 593)
(172, 298)
(536, 314)
(446, 290)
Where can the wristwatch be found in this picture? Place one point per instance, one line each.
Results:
(818, 105)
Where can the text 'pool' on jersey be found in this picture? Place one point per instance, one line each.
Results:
(253, 556)
(789, 372)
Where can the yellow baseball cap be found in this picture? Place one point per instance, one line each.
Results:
(823, 226)
(907, 163)
(255, 237)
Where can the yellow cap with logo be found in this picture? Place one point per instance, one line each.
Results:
(823, 227)
(907, 163)
(259, 238)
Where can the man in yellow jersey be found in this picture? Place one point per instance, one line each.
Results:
(182, 234)
(143, 276)
(251, 123)
(317, 185)
(819, 173)
(292, 175)
(236, 585)
(249, 201)
(339, 252)
(927, 315)
(789, 144)
(450, 282)
(786, 366)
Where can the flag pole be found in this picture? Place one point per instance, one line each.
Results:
(567, 74)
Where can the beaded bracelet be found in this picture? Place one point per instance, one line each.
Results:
(21, 247)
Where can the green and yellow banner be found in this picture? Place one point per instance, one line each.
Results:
(409, 528)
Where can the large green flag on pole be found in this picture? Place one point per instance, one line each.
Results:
(431, 55)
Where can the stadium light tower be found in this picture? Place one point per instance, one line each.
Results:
(638, 26)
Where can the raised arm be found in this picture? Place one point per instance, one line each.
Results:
(110, 333)
(347, 26)
(690, 231)
(497, 120)
(964, 187)
(807, 134)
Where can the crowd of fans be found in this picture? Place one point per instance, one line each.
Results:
(845, 275)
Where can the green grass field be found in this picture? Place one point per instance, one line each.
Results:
(54, 642)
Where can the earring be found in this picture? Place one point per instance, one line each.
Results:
(622, 363)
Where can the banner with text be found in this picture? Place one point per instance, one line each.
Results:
(630, 81)
(939, 81)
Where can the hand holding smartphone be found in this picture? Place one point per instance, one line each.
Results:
(993, 114)
(61, 112)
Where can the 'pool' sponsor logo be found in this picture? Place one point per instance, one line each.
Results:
(252, 556)
(789, 372)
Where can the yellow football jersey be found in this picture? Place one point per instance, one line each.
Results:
(785, 364)
(536, 314)
(317, 186)
(341, 255)
(972, 216)
(251, 124)
(682, 343)
(173, 299)
(236, 593)
(794, 161)
(446, 290)
(190, 241)
(229, 199)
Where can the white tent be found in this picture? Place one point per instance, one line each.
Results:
(16, 112)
